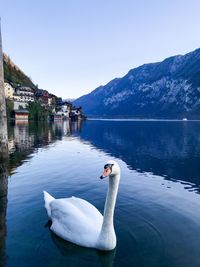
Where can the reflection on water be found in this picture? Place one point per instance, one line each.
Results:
(3, 187)
(3, 208)
(164, 148)
(156, 220)
(170, 149)
(80, 256)
(24, 139)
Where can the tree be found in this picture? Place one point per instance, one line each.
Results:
(37, 112)
(9, 107)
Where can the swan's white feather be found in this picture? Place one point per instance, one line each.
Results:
(47, 200)
(76, 220)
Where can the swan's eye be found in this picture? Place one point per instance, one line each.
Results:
(108, 166)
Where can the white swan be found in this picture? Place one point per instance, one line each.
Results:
(78, 221)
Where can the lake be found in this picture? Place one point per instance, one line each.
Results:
(157, 215)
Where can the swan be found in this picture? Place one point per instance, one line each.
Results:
(76, 220)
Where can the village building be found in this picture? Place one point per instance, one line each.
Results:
(42, 96)
(66, 109)
(59, 101)
(9, 90)
(20, 114)
(24, 94)
(76, 114)
(20, 105)
(16, 97)
(63, 109)
(50, 100)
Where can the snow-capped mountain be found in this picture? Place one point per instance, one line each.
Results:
(167, 89)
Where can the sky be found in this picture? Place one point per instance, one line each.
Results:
(70, 47)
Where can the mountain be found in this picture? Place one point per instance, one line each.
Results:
(167, 89)
(13, 74)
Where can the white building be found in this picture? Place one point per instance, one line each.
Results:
(24, 94)
(20, 105)
(65, 110)
(9, 90)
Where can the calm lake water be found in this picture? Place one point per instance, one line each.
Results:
(157, 216)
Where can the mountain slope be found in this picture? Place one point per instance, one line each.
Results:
(14, 75)
(167, 89)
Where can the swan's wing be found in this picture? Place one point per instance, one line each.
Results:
(76, 220)
(86, 208)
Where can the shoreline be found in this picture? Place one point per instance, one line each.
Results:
(149, 120)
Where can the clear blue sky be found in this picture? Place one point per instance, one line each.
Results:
(70, 47)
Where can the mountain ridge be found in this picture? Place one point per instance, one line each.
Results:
(166, 89)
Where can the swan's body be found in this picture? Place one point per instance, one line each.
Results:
(75, 220)
(78, 221)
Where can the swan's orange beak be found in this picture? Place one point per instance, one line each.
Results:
(106, 173)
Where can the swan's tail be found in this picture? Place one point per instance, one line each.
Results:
(48, 199)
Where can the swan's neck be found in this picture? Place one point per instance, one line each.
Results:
(107, 230)
(110, 201)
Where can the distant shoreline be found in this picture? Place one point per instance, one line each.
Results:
(149, 120)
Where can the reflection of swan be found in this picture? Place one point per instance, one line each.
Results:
(80, 256)
(79, 222)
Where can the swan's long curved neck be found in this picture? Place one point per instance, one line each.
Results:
(107, 226)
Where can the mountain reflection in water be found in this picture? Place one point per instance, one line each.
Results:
(167, 148)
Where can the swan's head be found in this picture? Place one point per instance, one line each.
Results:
(111, 169)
